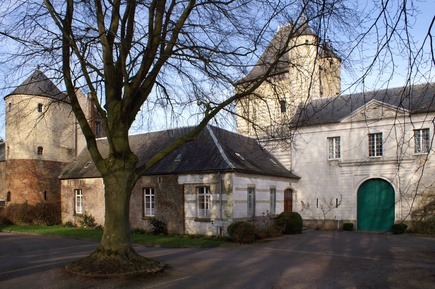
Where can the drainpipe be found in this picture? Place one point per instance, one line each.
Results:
(219, 228)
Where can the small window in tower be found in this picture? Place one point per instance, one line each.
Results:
(44, 195)
(40, 151)
(97, 128)
(39, 107)
(9, 106)
(283, 104)
(8, 197)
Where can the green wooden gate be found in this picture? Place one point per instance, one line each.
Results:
(375, 209)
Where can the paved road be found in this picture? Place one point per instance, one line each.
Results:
(312, 260)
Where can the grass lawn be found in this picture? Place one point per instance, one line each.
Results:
(91, 234)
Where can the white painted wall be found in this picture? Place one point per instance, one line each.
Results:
(234, 198)
(323, 181)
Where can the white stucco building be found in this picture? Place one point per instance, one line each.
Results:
(365, 158)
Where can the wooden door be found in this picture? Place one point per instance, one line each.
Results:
(288, 200)
(375, 209)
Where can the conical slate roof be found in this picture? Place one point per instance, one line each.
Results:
(39, 84)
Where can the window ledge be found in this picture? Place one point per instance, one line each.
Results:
(148, 217)
(202, 220)
(420, 154)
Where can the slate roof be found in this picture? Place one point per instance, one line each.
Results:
(39, 84)
(414, 99)
(213, 150)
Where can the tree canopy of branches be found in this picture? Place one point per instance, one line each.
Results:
(176, 53)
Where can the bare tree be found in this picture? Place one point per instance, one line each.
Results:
(129, 53)
(167, 54)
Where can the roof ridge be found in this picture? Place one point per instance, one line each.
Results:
(219, 147)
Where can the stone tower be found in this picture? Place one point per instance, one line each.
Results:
(306, 68)
(40, 140)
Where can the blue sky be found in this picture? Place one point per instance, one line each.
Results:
(392, 74)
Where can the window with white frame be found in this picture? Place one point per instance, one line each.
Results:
(421, 141)
(272, 208)
(334, 148)
(149, 202)
(78, 201)
(204, 202)
(375, 144)
(251, 202)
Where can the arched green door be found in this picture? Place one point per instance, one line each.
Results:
(375, 211)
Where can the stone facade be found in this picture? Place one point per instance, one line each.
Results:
(176, 200)
(32, 181)
(169, 203)
(312, 71)
(92, 191)
(42, 137)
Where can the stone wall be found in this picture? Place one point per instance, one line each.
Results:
(33, 181)
(169, 203)
(93, 200)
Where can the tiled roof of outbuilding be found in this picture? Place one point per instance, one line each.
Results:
(213, 150)
(39, 84)
(415, 99)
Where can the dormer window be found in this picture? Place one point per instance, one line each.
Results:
(39, 107)
(239, 156)
(178, 158)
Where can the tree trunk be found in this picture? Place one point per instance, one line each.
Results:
(118, 187)
(115, 256)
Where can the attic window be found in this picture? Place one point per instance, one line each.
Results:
(240, 156)
(39, 107)
(178, 158)
(39, 151)
(87, 165)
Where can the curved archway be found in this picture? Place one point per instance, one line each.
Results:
(375, 207)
